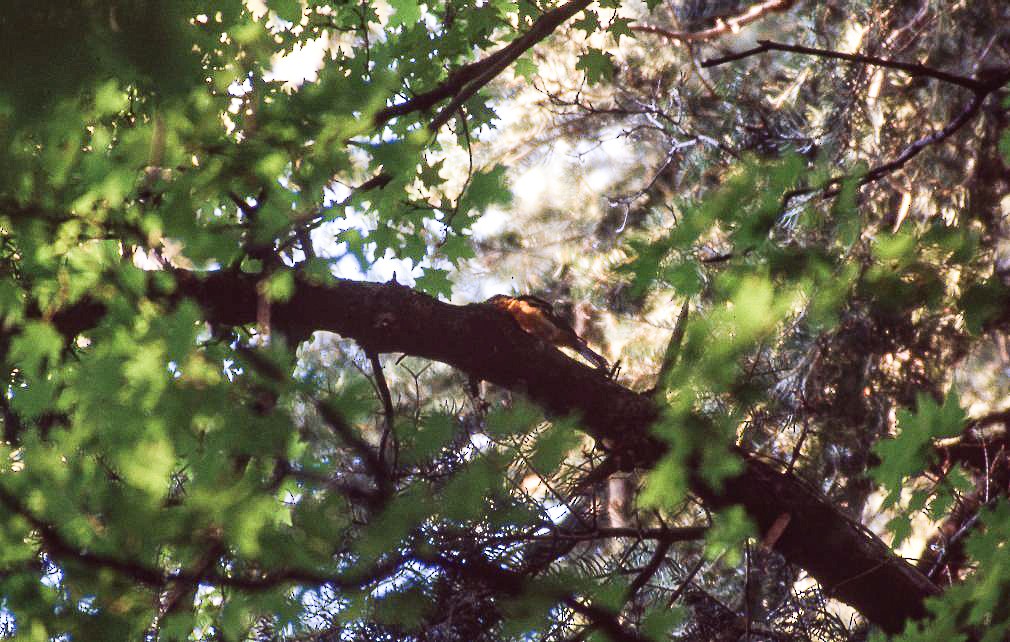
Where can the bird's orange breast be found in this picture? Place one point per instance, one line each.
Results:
(533, 320)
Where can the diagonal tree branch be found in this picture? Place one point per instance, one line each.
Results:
(722, 27)
(468, 79)
(833, 186)
(851, 563)
(460, 86)
(980, 88)
(912, 69)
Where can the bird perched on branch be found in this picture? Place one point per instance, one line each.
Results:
(537, 317)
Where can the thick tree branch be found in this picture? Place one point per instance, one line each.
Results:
(850, 562)
(388, 317)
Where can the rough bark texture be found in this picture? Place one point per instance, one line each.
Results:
(850, 562)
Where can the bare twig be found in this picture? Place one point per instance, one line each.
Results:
(687, 582)
(673, 347)
(466, 183)
(312, 219)
(58, 546)
(335, 420)
(665, 535)
(722, 27)
(832, 186)
(912, 69)
(387, 408)
(980, 88)
(649, 570)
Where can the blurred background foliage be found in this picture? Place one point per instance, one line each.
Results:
(732, 234)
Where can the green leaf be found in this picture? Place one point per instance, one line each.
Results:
(900, 527)
(910, 452)
(730, 527)
(430, 173)
(425, 440)
(487, 188)
(405, 12)
(457, 248)
(597, 65)
(1004, 144)
(465, 496)
(526, 68)
(589, 22)
(435, 282)
(553, 446)
(517, 419)
(35, 399)
(279, 287)
(110, 98)
(290, 10)
(37, 347)
(404, 607)
(982, 302)
(659, 621)
(621, 27)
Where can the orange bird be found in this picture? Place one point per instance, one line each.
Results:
(537, 317)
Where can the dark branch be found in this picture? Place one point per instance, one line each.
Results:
(387, 406)
(57, 546)
(723, 27)
(912, 69)
(664, 535)
(832, 186)
(673, 348)
(468, 79)
(650, 569)
(980, 88)
(336, 422)
(511, 583)
(856, 566)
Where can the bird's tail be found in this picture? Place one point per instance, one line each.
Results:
(597, 360)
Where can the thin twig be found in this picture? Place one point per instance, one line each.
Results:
(832, 187)
(512, 583)
(58, 546)
(910, 68)
(387, 409)
(683, 585)
(673, 347)
(335, 420)
(466, 183)
(663, 535)
(722, 27)
(649, 570)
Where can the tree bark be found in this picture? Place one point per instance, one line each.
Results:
(851, 563)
